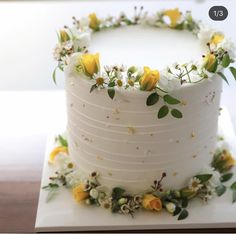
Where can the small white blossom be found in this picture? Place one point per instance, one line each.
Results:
(170, 206)
(94, 193)
(195, 184)
(228, 45)
(205, 33)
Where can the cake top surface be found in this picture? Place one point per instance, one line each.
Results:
(140, 44)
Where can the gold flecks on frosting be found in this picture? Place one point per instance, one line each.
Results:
(99, 157)
(131, 130)
(109, 173)
(115, 111)
(175, 173)
(194, 156)
(71, 105)
(107, 116)
(83, 105)
(72, 83)
(151, 134)
(183, 103)
(117, 118)
(193, 134)
(137, 148)
(177, 141)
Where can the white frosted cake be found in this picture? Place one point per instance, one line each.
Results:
(143, 96)
(122, 139)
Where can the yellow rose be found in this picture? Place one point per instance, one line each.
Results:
(79, 194)
(94, 22)
(56, 151)
(217, 38)
(210, 62)
(89, 64)
(64, 36)
(151, 202)
(149, 79)
(174, 16)
(228, 159)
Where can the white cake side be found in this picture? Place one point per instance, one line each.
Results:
(125, 142)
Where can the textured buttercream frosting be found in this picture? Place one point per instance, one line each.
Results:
(124, 141)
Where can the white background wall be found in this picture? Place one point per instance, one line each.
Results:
(28, 33)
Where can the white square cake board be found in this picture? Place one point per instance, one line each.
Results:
(64, 214)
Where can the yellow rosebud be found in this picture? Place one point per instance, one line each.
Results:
(174, 15)
(210, 62)
(151, 202)
(89, 63)
(79, 194)
(94, 22)
(56, 151)
(64, 36)
(217, 38)
(149, 79)
(228, 159)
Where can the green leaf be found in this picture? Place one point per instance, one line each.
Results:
(117, 193)
(226, 177)
(152, 99)
(233, 71)
(234, 196)
(176, 113)
(226, 60)
(223, 77)
(220, 190)
(93, 87)
(204, 177)
(233, 185)
(183, 214)
(171, 100)
(111, 93)
(177, 211)
(164, 110)
(54, 75)
(185, 202)
(112, 84)
(62, 141)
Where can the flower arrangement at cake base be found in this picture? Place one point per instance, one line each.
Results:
(204, 186)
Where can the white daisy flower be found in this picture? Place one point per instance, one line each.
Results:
(195, 184)
(205, 33)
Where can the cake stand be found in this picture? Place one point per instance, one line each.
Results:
(64, 214)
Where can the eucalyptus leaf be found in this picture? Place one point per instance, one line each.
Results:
(203, 177)
(54, 75)
(152, 99)
(176, 113)
(234, 196)
(93, 87)
(111, 93)
(164, 110)
(62, 141)
(185, 202)
(226, 177)
(170, 100)
(177, 211)
(117, 193)
(233, 185)
(233, 71)
(226, 60)
(183, 214)
(51, 194)
(223, 77)
(220, 190)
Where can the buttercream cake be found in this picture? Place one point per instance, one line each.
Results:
(122, 138)
(143, 100)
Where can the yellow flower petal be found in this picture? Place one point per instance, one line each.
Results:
(90, 63)
(209, 61)
(79, 194)
(56, 151)
(174, 16)
(94, 22)
(217, 38)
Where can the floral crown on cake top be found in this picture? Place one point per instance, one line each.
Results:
(72, 54)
